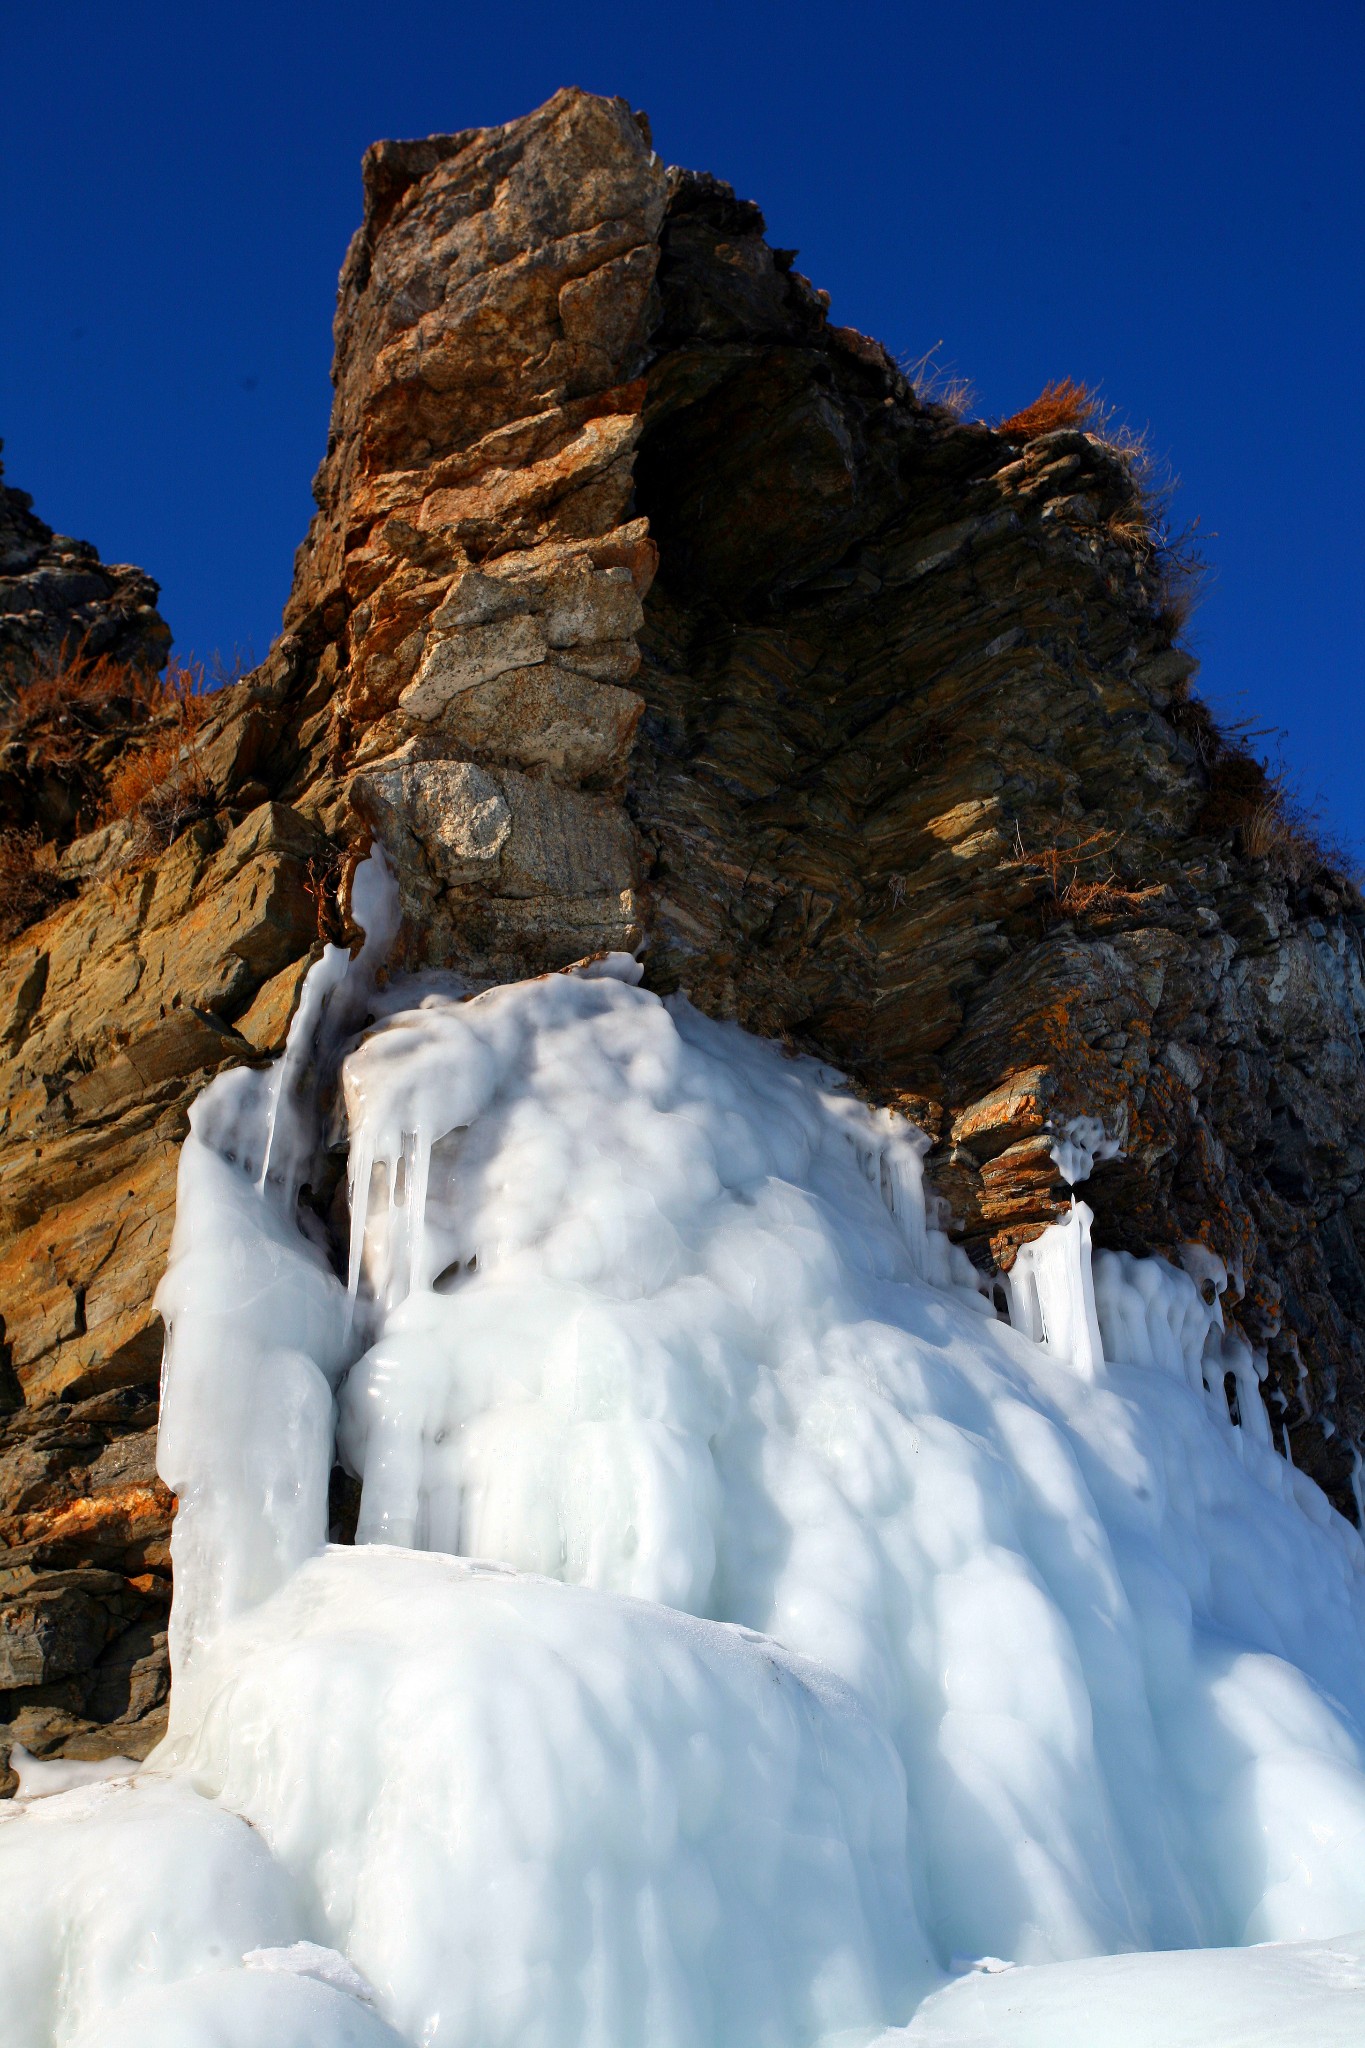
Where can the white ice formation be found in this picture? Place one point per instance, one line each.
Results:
(1079, 1146)
(746, 1628)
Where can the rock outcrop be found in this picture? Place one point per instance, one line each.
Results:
(56, 594)
(643, 605)
(474, 572)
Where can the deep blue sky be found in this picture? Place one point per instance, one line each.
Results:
(1164, 200)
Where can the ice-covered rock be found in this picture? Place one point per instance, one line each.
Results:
(744, 1625)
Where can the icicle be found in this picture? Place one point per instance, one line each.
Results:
(1358, 1482)
(330, 1005)
(1248, 1369)
(289, 1125)
(417, 1182)
(360, 1173)
(902, 1157)
(1152, 1314)
(1052, 1292)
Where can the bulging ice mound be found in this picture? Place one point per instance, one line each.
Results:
(828, 1632)
(525, 1811)
(529, 1811)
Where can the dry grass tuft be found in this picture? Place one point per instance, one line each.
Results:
(1070, 892)
(71, 700)
(937, 385)
(1295, 839)
(1252, 799)
(1066, 403)
(161, 783)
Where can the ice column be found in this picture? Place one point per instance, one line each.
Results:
(256, 1321)
(1051, 1284)
(1152, 1314)
(1052, 1292)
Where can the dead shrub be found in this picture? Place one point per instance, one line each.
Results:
(326, 874)
(1251, 798)
(30, 885)
(1067, 403)
(161, 784)
(70, 700)
(1181, 588)
(61, 727)
(1173, 555)
(1239, 782)
(224, 673)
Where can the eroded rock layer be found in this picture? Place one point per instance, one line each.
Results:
(643, 604)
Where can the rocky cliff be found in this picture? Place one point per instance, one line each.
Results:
(643, 605)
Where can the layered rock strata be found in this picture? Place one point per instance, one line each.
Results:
(474, 572)
(643, 605)
(113, 1014)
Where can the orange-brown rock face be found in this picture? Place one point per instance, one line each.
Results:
(642, 604)
(114, 1012)
(474, 532)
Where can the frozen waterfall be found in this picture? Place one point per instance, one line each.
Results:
(750, 1640)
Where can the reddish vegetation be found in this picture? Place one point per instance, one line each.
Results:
(60, 728)
(69, 719)
(54, 716)
(84, 741)
(1063, 404)
(161, 782)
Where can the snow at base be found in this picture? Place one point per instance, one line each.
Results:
(1300, 1995)
(747, 1630)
